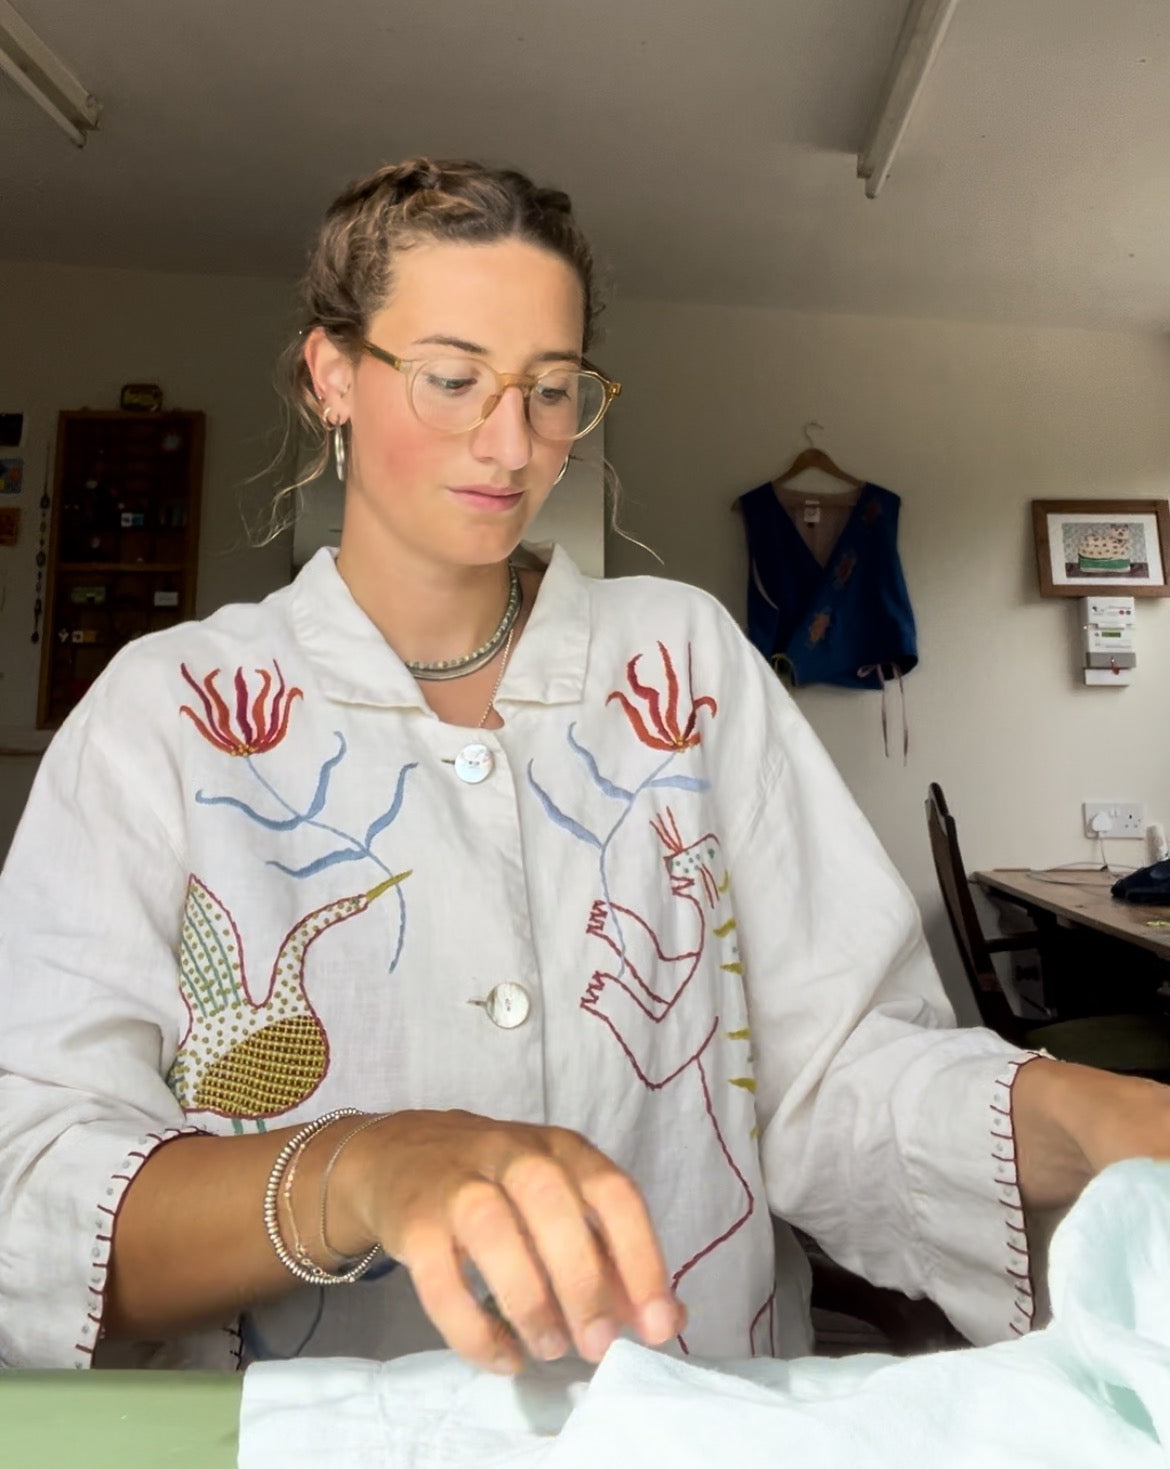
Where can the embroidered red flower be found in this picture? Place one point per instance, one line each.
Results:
(665, 730)
(256, 725)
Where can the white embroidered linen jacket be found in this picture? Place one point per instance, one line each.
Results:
(258, 879)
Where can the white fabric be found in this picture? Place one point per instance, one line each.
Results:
(729, 985)
(1092, 1389)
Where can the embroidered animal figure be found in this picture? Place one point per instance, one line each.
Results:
(643, 994)
(666, 1033)
(242, 1058)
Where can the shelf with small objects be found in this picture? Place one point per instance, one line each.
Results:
(123, 545)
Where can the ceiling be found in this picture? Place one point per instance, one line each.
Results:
(709, 144)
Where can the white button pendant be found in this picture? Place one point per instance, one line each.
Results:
(508, 1005)
(474, 763)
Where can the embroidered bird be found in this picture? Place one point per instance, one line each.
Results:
(241, 1058)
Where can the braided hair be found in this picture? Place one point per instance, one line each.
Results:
(350, 274)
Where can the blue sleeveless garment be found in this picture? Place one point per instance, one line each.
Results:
(849, 622)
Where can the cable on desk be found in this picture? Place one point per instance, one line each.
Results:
(1047, 874)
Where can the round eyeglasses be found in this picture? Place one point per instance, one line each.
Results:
(457, 394)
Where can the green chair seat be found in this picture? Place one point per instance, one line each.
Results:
(1135, 1044)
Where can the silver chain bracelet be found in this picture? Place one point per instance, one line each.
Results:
(307, 1272)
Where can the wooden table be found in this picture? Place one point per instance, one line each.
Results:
(1082, 897)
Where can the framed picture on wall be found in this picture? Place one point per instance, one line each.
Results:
(1087, 546)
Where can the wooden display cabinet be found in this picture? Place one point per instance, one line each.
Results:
(124, 542)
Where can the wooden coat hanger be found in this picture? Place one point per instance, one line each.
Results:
(815, 458)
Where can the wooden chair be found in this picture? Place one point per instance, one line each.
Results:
(1135, 1044)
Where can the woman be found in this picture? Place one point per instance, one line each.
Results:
(423, 833)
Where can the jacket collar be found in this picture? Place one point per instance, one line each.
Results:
(354, 664)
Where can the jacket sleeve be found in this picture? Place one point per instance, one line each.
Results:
(90, 903)
(886, 1133)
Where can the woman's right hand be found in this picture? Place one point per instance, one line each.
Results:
(559, 1234)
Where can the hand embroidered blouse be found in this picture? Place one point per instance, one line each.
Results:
(257, 879)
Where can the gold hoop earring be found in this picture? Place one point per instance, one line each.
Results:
(564, 467)
(337, 434)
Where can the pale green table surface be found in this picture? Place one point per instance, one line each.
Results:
(119, 1420)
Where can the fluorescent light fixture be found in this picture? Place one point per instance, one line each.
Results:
(919, 43)
(46, 79)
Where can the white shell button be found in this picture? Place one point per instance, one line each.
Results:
(508, 1005)
(474, 763)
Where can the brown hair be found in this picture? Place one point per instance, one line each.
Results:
(351, 268)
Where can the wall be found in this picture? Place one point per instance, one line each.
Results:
(967, 423)
(72, 337)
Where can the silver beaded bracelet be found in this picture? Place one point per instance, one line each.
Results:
(305, 1270)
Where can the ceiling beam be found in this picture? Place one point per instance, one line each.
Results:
(919, 42)
(45, 78)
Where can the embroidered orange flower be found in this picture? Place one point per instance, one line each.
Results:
(256, 725)
(665, 730)
(844, 568)
(818, 627)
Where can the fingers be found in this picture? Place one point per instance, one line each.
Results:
(579, 1280)
(559, 1234)
(437, 1270)
(620, 1217)
(499, 1245)
(593, 1233)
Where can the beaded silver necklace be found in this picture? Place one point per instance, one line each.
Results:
(446, 668)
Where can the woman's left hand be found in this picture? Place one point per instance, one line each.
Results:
(1073, 1121)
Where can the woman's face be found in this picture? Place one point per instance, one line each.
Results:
(463, 498)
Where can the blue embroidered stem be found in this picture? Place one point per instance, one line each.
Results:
(353, 851)
(633, 796)
(360, 849)
(610, 788)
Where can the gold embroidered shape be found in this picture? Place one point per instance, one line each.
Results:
(240, 1058)
(273, 1070)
